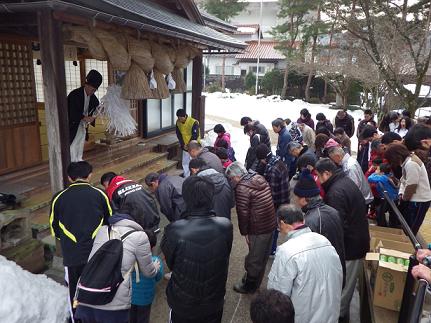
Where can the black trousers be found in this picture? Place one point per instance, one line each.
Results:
(72, 274)
(140, 313)
(213, 318)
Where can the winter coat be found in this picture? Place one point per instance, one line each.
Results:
(251, 161)
(309, 137)
(306, 153)
(325, 124)
(387, 183)
(263, 132)
(277, 175)
(308, 270)
(222, 136)
(122, 191)
(323, 219)
(75, 110)
(353, 170)
(76, 214)
(363, 156)
(347, 123)
(197, 250)
(223, 194)
(344, 196)
(211, 160)
(136, 248)
(143, 292)
(254, 205)
(284, 139)
(308, 121)
(170, 196)
(294, 131)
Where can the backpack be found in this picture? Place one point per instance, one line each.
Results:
(102, 276)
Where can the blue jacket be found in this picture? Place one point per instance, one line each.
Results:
(284, 139)
(385, 180)
(144, 291)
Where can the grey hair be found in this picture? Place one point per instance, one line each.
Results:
(294, 145)
(235, 169)
(290, 213)
(193, 144)
(336, 151)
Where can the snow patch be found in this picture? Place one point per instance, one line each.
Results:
(30, 298)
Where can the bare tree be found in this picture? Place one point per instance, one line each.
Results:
(395, 34)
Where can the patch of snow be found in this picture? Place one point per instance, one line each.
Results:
(26, 297)
(423, 93)
(234, 106)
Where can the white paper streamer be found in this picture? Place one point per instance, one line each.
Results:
(116, 109)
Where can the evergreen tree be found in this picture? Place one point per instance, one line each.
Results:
(224, 9)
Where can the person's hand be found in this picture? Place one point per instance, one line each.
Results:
(156, 264)
(422, 253)
(89, 119)
(186, 148)
(422, 271)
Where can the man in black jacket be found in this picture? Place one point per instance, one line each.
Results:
(81, 105)
(345, 121)
(344, 196)
(223, 194)
(129, 197)
(76, 214)
(197, 250)
(168, 190)
(319, 217)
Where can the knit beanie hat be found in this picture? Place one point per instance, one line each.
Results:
(306, 186)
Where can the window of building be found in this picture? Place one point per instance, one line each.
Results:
(253, 69)
(73, 76)
(38, 81)
(160, 115)
(228, 70)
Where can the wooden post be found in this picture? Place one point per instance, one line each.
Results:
(198, 111)
(54, 87)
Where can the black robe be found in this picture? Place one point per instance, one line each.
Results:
(75, 109)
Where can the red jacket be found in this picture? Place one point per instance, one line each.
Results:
(225, 136)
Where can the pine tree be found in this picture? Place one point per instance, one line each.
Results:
(293, 12)
(224, 9)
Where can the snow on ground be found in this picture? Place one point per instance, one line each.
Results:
(26, 297)
(229, 108)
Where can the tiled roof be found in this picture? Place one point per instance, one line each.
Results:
(160, 16)
(217, 23)
(266, 50)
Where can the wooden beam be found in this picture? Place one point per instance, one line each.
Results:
(198, 109)
(54, 87)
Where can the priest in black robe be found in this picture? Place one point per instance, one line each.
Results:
(81, 105)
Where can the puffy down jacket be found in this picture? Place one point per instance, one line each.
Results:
(254, 205)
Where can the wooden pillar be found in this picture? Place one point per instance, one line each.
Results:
(54, 87)
(198, 109)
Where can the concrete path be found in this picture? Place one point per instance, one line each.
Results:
(237, 306)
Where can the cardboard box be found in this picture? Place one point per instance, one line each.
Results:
(376, 228)
(389, 236)
(390, 279)
(378, 242)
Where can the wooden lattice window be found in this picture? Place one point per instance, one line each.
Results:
(17, 93)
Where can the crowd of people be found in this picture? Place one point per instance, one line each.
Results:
(310, 189)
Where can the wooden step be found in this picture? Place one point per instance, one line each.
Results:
(40, 220)
(42, 198)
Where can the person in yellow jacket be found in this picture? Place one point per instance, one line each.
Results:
(187, 129)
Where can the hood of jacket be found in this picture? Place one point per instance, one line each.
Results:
(216, 178)
(313, 205)
(124, 220)
(253, 181)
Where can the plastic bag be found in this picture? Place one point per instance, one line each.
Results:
(152, 81)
